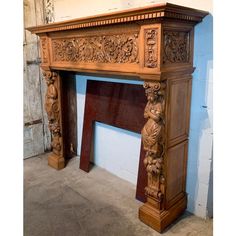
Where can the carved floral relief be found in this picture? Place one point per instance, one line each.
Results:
(153, 139)
(53, 110)
(151, 48)
(176, 47)
(119, 48)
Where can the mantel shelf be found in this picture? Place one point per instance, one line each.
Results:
(157, 11)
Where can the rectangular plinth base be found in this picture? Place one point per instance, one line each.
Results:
(56, 162)
(160, 220)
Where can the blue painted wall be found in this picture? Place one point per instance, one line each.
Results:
(201, 127)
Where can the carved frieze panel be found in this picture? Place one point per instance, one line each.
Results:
(176, 47)
(153, 139)
(150, 50)
(117, 48)
(52, 108)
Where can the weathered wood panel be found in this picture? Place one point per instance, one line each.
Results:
(37, 137)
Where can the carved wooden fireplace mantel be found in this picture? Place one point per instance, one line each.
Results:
(153, 44)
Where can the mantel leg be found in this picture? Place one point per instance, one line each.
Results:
(53, 109)
(154, 212)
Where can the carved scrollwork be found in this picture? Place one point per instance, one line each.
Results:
(151, 48)
(119, 48)
(53, 110)
(176, 47)
(153, 139)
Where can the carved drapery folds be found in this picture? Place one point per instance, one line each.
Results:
(176, 47)
(119, 48)
(153, 139)
(151, 48)
(52, 108)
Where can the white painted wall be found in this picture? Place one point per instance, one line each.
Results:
(199, 186)
(69, 9)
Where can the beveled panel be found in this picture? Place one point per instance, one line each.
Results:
(175, 172)
(178, 110)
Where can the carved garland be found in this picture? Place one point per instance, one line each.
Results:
(176, 47)
(120, 48)
(151, 48)
(153, 140)
(53, 110)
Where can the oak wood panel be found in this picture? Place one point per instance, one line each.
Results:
(179, 98)
(176, 164)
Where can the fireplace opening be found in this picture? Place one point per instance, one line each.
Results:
(107, 111)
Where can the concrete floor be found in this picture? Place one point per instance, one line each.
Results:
(71, 202)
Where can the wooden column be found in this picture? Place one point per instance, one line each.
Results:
(165, 140)
(53, 109)
(165, 134)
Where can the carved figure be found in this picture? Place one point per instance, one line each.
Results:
(53, 111)
(153, 143)
(154, 113)
(51, 103)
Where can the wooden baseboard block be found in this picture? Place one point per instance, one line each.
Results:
(56, 162)
(159, 220)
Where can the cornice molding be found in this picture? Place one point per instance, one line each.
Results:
(157, 11)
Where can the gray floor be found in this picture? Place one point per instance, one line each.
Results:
(71, 202)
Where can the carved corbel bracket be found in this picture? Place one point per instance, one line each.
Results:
(53, 109)
(153, 138)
